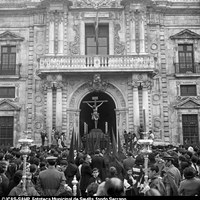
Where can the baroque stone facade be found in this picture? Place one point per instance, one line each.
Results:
(139, 75)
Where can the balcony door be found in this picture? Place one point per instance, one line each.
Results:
(6, 130)
(190, 129)
(186, 61)
(97, 40)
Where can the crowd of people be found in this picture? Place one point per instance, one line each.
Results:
(172, 171)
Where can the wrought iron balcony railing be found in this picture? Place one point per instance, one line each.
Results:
(10, 70)
(97, 63)
(187, 68)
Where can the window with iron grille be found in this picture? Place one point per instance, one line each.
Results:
(6, 130)
(188, 90)
(7, 92)
(190, 129)
(97, 43)
(8, 60)
(186, 60)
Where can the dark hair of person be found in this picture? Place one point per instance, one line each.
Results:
(92, 188)
(154, 168)
(51, 162)
(114, 187)
(189, 172)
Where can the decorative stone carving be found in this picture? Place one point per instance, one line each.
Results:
(156, 97)
(52, 81)
(51, 16)
(84, 89)
(135, 83)
(40, 49)
(147, 84)
(38, 18)
(39, 100)
(157, 123)
(155, 18)
(75, 46)
(97, 84)
(119, 47)
(154, 47)
(132, 15)
(117, 94)
(96, 4)
(38, 125)
(60, 17)
(46, 85)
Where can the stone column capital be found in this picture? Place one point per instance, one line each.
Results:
(47, 85)
(59, 85)
(60, 16)
(51, 15)
(146, 84)
(135, 83)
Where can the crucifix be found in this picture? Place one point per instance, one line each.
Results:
(94, 105)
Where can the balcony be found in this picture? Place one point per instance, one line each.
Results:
(10, 71)
(111, 63)
(187, 69)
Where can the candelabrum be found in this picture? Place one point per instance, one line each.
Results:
(74, 183)
(25, 150)
(146, 150)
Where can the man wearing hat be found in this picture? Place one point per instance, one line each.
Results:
(172, 176)
(50, 181)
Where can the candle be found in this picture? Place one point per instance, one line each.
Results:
(85, 128)
(144, 119)
(106, 127)
(27, 118)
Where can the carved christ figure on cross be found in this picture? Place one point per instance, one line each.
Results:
(94, 105)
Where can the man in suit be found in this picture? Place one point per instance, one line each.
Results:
(86, 174)
(70, 170)
(172, 176)
(51, 182)
(95, 176)
(99, 163)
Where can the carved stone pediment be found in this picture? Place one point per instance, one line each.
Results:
(188, 104)
(185, 34)
(6, 105)
(7, 35)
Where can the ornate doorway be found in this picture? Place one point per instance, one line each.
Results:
(106, 113)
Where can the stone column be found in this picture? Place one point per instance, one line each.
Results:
(136, 111)
(142, 33)
(51, 34)
(59, 108)
(132, 33)
(145, 104)
(49, 113)
(60, 34)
